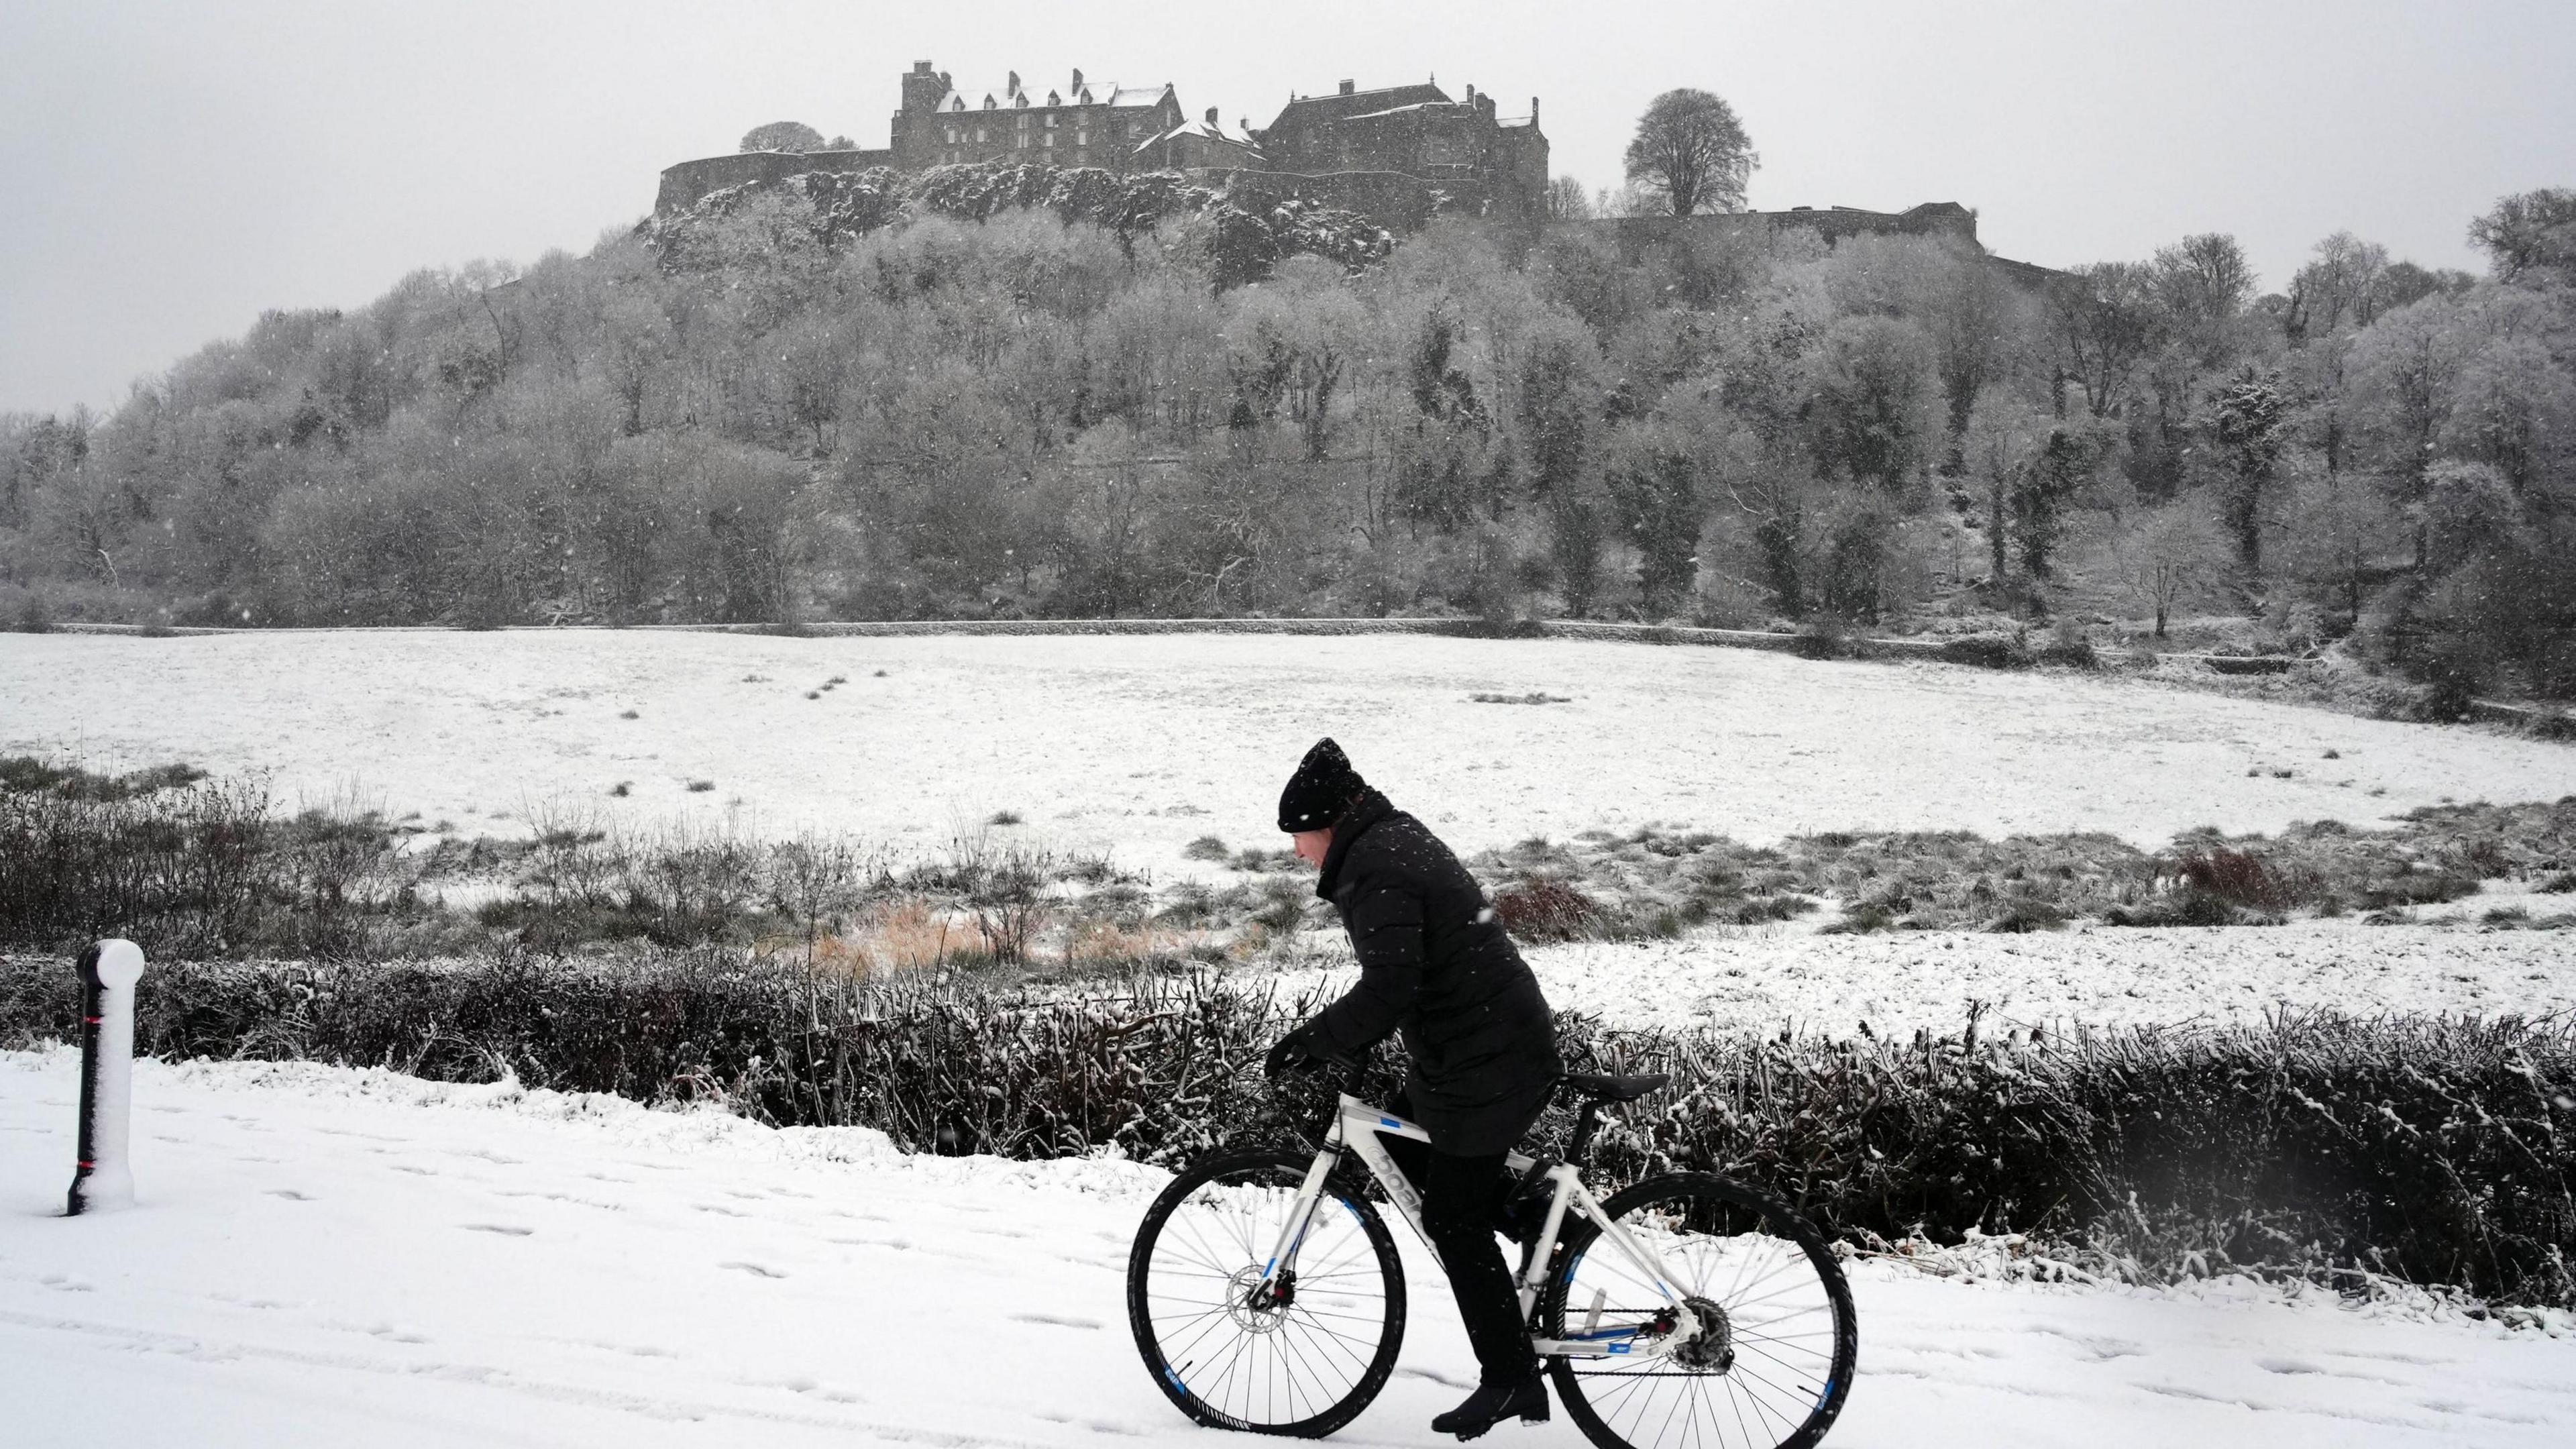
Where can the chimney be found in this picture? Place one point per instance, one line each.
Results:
(1077, 80)
(921, 67)
(1533, 110)
(1346, 88)
(1015, 83)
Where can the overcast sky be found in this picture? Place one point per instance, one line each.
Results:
(168, 171)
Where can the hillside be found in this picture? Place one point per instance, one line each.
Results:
(998, 391)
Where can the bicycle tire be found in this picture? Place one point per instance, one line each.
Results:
(1183, 1272)
(1772, 1369)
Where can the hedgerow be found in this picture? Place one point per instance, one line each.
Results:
(2431, 1150)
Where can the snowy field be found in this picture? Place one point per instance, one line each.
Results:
(2100, 976)
(1142, 744)
(327, 1257)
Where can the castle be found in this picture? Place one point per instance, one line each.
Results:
(1396, 154)
(1351, 147)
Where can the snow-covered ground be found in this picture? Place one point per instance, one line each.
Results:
(1144, 743)
(2100, 976)
(328, 1257)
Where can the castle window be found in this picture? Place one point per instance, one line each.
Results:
(1050, 140)
(979, 135)
(1082, 138)
(1024, 140)
(1134, 130)
(1024, 123)
(1050, 120)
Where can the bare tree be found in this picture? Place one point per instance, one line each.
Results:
(1691, 151)
(2532, 232)
(1567, 200)
(2105, 324)
(2165, 555)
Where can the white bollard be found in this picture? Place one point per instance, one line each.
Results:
(104, 1178)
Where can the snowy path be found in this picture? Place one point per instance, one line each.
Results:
(328, 1257)
(1144, 743)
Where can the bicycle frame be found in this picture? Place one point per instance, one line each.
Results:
(1357, 1127)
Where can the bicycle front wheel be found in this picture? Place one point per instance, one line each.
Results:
(1771, 1363)
(1302, 1360)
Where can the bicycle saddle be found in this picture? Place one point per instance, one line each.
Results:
(1615, 1089)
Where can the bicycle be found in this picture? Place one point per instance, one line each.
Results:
(1688, 1309)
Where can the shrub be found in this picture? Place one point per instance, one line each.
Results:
(1547, 910)
(1984, 651)
(2235, 876)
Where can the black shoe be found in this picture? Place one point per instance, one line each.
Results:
(1494, 1402)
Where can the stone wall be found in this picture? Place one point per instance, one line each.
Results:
(684, 185)
(1637, 234)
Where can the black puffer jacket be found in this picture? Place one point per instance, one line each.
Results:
(1436, 965)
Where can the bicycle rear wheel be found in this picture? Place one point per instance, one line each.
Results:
(1302, 1365)
(1772, 1362)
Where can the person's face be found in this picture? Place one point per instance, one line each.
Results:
(1311, 845)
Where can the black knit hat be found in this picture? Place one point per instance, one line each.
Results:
(1323, 787)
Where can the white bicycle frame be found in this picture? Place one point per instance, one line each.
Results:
(1357, 1127)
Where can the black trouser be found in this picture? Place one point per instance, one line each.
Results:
(1459, 1198)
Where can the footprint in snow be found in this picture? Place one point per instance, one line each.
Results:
(1096, 1426)
(1052, 1321)
(1446, 1381)
(755, 1269)
(290, 1194)
(507, 1230)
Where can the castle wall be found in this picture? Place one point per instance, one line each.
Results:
(1635, 235)
(685, 184)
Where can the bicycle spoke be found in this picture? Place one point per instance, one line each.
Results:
(1313, 1359)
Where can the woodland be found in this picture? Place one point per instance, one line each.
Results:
(1011, 392)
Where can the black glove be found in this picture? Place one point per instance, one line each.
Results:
(1292, 1053)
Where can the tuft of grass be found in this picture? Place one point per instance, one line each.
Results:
(622, 789)
(1206, 847)
(1004, 817)
(1533, 697)
(628, 714)
(700, 787)
(1547, 910)
(27, 775)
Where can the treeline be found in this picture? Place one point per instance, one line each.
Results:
(994, 390)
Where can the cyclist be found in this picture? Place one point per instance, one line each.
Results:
(1436, 966)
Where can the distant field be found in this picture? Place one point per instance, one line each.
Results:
(1145, 743)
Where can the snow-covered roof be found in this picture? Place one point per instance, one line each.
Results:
(1015, 95)
(1401, 110)
(1208, 130)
